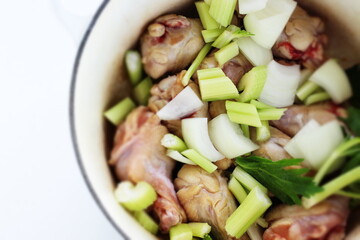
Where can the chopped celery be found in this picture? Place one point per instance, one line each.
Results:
(208, 2)
(271, 114)
(135, 198)
(200, 160)
(243, 113)
(222, 11)
(173, 142)
(339, 152)
(211, 34)
(262, 222)
(260, 105)
(224, 39)
(220, 88)
(226, 53)
(254, 232)
(199, 229)
(263, 133)
(142, 91)
(332, 187)
(207, 21)
(196, 63)
(247, 180)
(178, 157)
(146, 221)
(246, 130)
(348, 194)
(237, 190)
(133, 66)
(252, 84)
(210, 73)
(317, 97)
(306, 90)
(254, 205)
(118, 112)
(181, 232)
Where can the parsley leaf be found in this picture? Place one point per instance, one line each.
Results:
(285, 184)
(353, 120)
(207, 237)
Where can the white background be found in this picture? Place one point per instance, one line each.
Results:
(42, 192)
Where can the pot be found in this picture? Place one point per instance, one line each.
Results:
(99, 81)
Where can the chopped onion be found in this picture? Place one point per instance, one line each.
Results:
(333, 79)
(281, 84)
(179, 157)
(184, 104)
(315, 143)
(228, 137)
(249, 6)
(196, 136)
(268, 23)
(255, 53)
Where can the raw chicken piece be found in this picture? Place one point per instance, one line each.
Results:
(235, 68)
(325, 221)
(206, 198)
(165, 91)
(273, 148)
(170, 43)
(224, 164)
(298, 115)
(139, 156)
(302, 40)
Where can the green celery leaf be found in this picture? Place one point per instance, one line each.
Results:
(285, 184)
(353, 120)
(354, 76)
(207, 237)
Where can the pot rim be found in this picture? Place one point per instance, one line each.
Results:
(74, 138)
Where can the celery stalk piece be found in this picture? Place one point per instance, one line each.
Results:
(196, 136)
(237, 190)
(271, 114)
(226, 53)
(339, 152)
(224, 39)
(207, 21)
(228, 138)
(254, 232)
(146, 221)
(247, 180)
(332, 77)
(199, 229)
(246, 130)
(196, 63)
(252, 84)
(200, 160)
(317, 97)
(209, 73)
(306, 90)
(135, 198)
(142, 91)
(256, 54)
(332, 187)
(222, 11)
(211, 34)
(181, 232)
(263, 133)
(178, 157)
(173, 142)
(208, 2)
(243, 113)
(119, 112)
(348, 194)
(260, 105)
(262, 222)
(133, 66)
(220, 88)
(255, 204)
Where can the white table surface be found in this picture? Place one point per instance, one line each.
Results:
(42, 192)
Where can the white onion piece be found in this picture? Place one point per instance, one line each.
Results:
(249, 6)
(292, 146)
(268, 23)
(183, 104)
(334, 80)
(256, 54)
(178, 157)
(228, 137)
(281, 85)
(196, 136)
